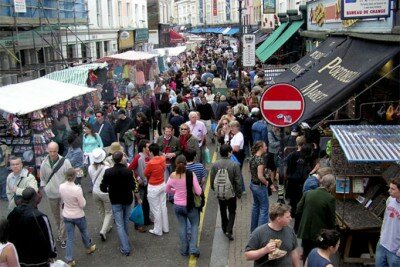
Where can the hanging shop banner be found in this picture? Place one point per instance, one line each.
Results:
(333, 79)
(358, 9)
(152, 14)
(228, 10)
(201, 12)
(249, 50)
(215, 8)
(20, 6)
(269, 6)
(142, 35)
(330, 15)
(126, 39)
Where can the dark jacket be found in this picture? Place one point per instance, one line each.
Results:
(119, 182)
(318, 212)
(31, 234)
(107, 132)
(234, 173)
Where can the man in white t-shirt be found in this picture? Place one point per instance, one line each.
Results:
(237, 141)
(388, 248)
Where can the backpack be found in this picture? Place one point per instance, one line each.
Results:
(223, 186)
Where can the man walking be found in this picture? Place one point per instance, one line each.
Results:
(104, 129)
(276, 238)
(30, 232)
(17, 181)
(233, 170)
(388, 248)
(52, 175)
(119, 183)
(198, 130)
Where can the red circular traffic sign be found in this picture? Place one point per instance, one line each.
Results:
(282, 105)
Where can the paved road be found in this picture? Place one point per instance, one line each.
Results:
(148, 250)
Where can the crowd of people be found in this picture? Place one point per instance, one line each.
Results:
(149, 144)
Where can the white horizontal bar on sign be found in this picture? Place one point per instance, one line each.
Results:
(282, 105)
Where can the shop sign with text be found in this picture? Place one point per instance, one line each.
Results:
(359, 9)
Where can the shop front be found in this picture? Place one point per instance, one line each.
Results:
(142, 39)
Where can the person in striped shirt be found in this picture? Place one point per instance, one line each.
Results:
(197, 168)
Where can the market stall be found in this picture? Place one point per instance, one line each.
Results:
(360, 158)
(38, 111)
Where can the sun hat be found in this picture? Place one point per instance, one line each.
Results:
(98, 155)
(116, 146)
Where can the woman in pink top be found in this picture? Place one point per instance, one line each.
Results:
(73, 214)
(178, 183)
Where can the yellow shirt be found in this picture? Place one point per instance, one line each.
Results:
(121, 103)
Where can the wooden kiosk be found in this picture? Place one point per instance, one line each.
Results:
(363, 160)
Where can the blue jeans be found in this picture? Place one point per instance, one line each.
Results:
(121, 217)
(385, 258)
(182, 214)
(70, 229)
(259, 213)
(3, 182)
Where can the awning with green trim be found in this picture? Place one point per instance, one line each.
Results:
(76, 75)
(292, 29)
(271, 39)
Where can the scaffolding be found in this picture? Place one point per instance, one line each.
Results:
(32, 42)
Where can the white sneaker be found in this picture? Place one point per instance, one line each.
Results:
(151, 231)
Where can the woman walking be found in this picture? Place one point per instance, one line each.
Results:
(258, 186)
(188, 141)
(91, 140)
(327, 243)
(73, 214)
(101, 199)
(184, 184)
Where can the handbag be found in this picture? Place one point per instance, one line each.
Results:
(137, 215)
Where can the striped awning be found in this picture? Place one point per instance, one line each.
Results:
(361, 143)
(75, 75)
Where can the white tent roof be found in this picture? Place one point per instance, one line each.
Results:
(26, 97)
(171, 51)
(128, 56)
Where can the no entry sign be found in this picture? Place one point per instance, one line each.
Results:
(282, 105)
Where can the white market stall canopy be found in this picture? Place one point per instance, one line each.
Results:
(128, 56)
(76, 75)
(361, 143)
(171, 51)
(26, 97)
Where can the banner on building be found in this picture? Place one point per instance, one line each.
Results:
(269, 6)
(152, 14)
(249, 50)
(201, 12)
(362, 9)
(215, 8)
(126, 39)
(20, 6)
(228, 10)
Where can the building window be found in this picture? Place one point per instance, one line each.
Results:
(120, 12)
(98, 10)
(137, 14)
(110, 13)
(143, 16)
(98, 49)
(128, 10)
(106, 47)
(70, 51)
(84, 52)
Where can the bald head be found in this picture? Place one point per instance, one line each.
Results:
(52, 149)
